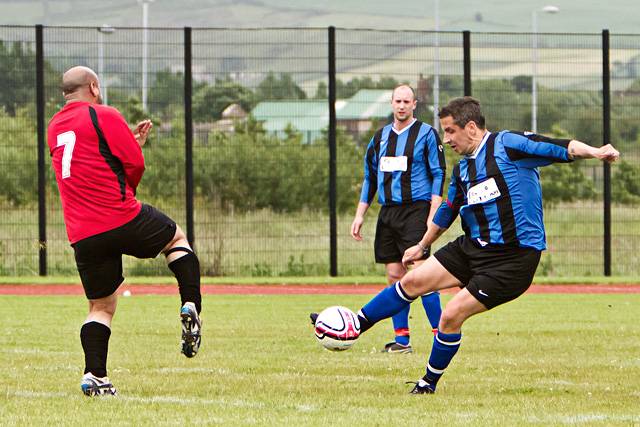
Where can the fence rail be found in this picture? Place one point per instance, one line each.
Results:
(260, 136)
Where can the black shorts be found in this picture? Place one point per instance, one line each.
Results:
(400, 227)
(99, 257)
(493, 275)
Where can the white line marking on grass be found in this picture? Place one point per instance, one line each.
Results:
(51, 368)
(561, 382)
(193, 400)
(155, 399)
(39, 394)
(466, 416)
(163, 399)
(584, 418)
(221, 371)
(20, 350)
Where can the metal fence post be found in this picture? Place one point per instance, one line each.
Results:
(606, 139)
(466, 54)
(42, 212)
(188, 135)
(333, 220)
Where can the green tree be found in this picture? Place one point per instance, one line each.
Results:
(322, 91)
(501, 105)
(564, 183)
(626, 183)
(522, 83)
(210, 101)
(166, 95)
(251, 170)
(350, 88)
(18, 76)
(282, 87)
(19, 171)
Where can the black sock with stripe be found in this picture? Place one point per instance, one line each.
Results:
(95, 343)
(187, 272)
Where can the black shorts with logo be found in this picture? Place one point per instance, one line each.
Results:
(99, 257)
(400, 227)
(494, 275)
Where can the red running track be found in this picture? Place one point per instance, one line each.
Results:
(28, 289)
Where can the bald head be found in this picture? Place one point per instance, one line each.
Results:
(403, 89)
(81, 84)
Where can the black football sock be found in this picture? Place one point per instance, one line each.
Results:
(187, 272)
(95, 343)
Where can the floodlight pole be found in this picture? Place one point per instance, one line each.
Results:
(534, 62)
(436, 66)
(104, 29)
(145, 24)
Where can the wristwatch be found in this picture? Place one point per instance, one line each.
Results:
(424, 249)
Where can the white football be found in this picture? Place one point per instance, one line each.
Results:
(337, 328)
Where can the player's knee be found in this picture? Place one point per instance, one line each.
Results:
(451, 320)
(395, 272)
(178, 247)
(393, 277)
(105, 306)
(412, 285)
(179, 239)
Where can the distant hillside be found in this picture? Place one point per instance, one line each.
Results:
(487, 15)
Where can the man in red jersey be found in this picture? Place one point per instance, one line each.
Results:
(98, 164)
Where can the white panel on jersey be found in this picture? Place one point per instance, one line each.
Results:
(392, 164)
(483, 192)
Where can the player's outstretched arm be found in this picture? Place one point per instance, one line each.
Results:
(580, 150)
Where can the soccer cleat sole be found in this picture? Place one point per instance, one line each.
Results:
(396, 349)
(190, 339)
(403, 351)
(421, 390)
(92, 390)
(417, 389)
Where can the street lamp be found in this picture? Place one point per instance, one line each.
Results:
(145, 24)
(104, 29)
(534, 74)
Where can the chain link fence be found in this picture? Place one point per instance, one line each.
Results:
(260, 198)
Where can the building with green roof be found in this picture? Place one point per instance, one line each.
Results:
(310, 117)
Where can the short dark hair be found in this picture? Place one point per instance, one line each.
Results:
(463, 110)
(403, 85)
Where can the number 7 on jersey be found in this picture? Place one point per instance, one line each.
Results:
(68, 140)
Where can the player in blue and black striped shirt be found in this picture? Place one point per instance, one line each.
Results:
(404, 164)
(496, 191)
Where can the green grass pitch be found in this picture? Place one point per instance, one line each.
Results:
(540, 360)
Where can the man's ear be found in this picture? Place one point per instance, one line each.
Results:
(94, 88)
(471, 128)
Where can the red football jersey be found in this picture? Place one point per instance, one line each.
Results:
(98, 165)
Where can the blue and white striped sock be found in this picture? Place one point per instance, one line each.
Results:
(387, 303)
(432, 307)
(401, 326)
(445, 346)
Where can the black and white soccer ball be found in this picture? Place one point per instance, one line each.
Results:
(337, 328)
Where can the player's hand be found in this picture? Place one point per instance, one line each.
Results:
(142, 131)
(356, 226)
(607, 153)
(412, 254)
